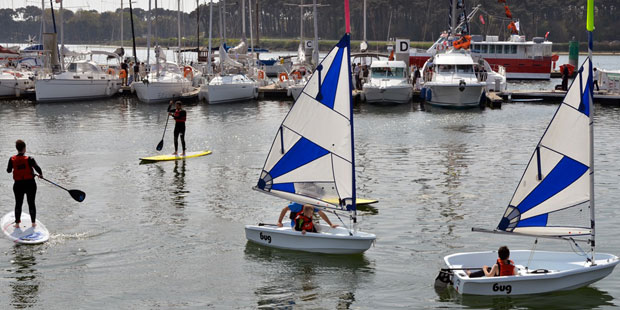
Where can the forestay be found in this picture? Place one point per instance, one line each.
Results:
(554, 195)
(311, 158)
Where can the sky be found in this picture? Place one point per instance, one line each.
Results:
(105, 5)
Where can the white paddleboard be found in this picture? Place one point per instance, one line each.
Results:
(25, 234)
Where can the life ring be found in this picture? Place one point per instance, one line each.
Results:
(283, 77)
(302, 70)
(440, 47)
(261, 74)
(187, 70)
(122, 74)
(296, 75)
(111, 71)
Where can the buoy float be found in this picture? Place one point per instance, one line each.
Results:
(283, 77)
(187, 70)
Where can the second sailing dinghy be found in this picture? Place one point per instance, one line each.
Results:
(555, 199)
(311, 161)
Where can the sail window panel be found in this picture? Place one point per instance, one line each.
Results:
(343, 171)
(321, 125)
(575, 194)
(312, 87)
(578, 215)
(275, 154)
(529, 181)
(317, 170)
(553, 231)
(573, 96)
(342, 101)
(569, 134)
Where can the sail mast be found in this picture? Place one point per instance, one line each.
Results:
(590, 28)
(348, 62)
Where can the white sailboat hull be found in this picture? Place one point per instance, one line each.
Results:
(74, 89)
(161, 91)
(328, 240)
(566, 271)
(388, 94)
(450, 96)
(222, 93)
(11, 86)
(295, 90)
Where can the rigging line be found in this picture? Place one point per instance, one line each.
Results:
(572, 242)
(343, 224)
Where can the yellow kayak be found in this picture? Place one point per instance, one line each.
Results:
(175, 157)
(358, 201)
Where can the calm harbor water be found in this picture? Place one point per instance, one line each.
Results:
(170, 235)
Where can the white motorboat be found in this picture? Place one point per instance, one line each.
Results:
(311, 161)
(164, 82)
(13, 83)
(388, 83)
(82, 80)
(228, 88)
(554, 199)
(450, 80)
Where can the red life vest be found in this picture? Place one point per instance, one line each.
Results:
(506, 269)
(21, 168)
(178, 118)
(303, 222)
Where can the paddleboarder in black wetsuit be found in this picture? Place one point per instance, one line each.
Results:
(179, 116)
(22, 167)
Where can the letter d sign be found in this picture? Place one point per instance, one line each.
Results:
(402, 46)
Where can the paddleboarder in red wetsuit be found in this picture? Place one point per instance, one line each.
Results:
(22, 167)
(179, 116)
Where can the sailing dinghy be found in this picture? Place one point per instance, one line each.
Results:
(554, 199)
(311, 161)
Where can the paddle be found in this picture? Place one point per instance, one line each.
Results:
(161, 143)
(78, 195)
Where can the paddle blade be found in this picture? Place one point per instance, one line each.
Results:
(160, 145)
(78, 195)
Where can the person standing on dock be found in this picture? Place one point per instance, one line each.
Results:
(22, 167)
(179, 116)
(596, 76)
(123, 73)
(565, 75)
(356, 75)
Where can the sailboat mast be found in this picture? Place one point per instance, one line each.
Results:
(353, 191)
(122, 15)
(62, 40)
(315, 53)
(42, 22)
(179, 29)
(210, 70)
(251, 34)
(148, 37)
(243, 38)
(301, 21)
(590, 28)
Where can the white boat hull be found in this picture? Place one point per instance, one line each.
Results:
(228, 92)
(74, 89)
(161, 91)
(450, 95)
(328, 240)
(388, 94)
(13, 86)
(295, 90)
(566, 271)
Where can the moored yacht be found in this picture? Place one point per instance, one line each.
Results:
(228, 88)
(82, 80)
(164, 82)
(388, 83)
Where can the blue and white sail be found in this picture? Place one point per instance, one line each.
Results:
(311, 158)
(554, 195)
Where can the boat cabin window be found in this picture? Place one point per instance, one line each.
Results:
(547, 50)
(445, 68)
(498, 49)
(72, 67)
(484, 49)
(382, 72)
(82, 67)
(464, 68)
(513, 49)
(491, 49)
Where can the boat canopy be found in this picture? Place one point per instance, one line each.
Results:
(311, 158)
(554, 195)
(83, 66)
(455, 58)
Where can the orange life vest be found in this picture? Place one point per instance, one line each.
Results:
(21, 168)
(506, 269)
(303, 222)
(178, 118)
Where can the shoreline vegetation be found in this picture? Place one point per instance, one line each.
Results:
(276, 44)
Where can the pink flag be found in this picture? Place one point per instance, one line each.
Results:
(346, 15)
(481, 19)
(546, 35)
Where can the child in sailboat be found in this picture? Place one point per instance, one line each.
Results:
(295, 209)
(503, 267)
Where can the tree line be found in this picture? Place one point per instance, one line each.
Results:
(417, 20)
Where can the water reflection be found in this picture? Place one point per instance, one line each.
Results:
(293, 278)
(25, 287)
(583, 298)
(178, 184)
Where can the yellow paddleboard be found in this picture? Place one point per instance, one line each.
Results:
(175, 157)
(358, 201)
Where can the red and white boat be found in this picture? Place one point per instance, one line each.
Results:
(522, 59)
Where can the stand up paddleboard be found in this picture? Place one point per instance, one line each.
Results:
(174, 157)
(25, 234)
